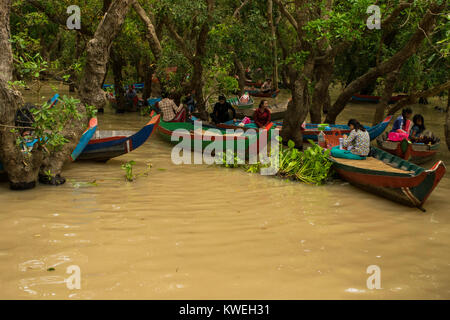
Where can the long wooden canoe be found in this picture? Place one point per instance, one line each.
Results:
(108, 144)
(312, 131)
(417, 153)
(239, 141)
(391, 177)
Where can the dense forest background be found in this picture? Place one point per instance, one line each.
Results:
(304, 46)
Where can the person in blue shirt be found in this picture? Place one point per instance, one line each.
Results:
(401, 122)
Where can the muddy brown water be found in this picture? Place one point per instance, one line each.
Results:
(205, 232)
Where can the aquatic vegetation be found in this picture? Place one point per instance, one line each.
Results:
(128, 167)
(311, 166)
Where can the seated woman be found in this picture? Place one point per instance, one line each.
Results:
(357, 144)
(418, 127)
(402, 126)
(262, 115)
(170, 111)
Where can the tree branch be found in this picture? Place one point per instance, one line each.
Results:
(238, 10)
(413, 97)
(58, 18)
(153, 40)
(286, 13)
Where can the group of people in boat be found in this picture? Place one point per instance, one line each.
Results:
(414, 131)
(357, 143)
(223, 110)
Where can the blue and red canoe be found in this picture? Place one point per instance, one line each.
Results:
(108, 144)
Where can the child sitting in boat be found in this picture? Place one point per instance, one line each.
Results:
(402, 126)
(418, 127)
(356, 146)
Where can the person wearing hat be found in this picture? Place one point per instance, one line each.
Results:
(220, 113)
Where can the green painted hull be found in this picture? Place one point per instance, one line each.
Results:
(238, 142)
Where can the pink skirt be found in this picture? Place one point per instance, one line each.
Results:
(398, 136)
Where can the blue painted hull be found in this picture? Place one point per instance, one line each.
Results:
(106, 145)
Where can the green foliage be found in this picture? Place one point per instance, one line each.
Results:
(311, 166)
(128, 167)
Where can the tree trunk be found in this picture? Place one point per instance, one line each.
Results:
(296, 113)
(197, 85)
(389, 86)
(22, 169)
(117, 64)
(320, 100)
(149, 70)
(241, 74)
(298, 107)
(98, 50)
(447, 122)
(273, 43)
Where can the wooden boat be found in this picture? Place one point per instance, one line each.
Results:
(201, 138)
(108, 144)
(260, 94)
(417, 153)
(85, 138)
(253, 84)
(375, 99)
(235, 102)
(391, 177)
(312, 131)
(153, 101)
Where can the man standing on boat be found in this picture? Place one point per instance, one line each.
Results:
(220, 113)
(170, 111)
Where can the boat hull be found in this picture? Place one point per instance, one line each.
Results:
(106, 145)
(176, 133)
(416, 153)
(407, 189)
(311, 132)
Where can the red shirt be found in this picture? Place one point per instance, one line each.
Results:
(262, 118)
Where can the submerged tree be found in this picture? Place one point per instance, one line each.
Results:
(23, 165)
